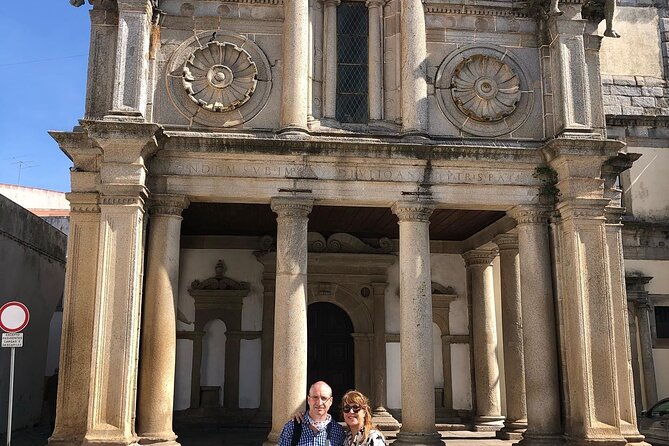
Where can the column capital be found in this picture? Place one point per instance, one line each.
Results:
(506, 242)
(172, 205)
(374, 3)
(479, 257)
(83, 203)
(413, 211)
(583, 208)
(529, 214)
(334, 3)
(291, 207)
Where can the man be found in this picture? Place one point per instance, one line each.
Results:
(318, 428)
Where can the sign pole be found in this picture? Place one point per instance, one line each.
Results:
(14, 317)
(11, 397)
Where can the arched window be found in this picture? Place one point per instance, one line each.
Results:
(352, 62)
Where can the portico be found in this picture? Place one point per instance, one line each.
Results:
(459, 233)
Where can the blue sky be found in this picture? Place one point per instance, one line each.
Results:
(43, 63)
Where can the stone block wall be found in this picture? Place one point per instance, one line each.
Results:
(635, 95)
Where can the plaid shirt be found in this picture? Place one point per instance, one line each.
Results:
(309, 438)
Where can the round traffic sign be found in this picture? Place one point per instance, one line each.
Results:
(14, 317)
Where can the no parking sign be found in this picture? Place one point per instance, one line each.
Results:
(14, 317)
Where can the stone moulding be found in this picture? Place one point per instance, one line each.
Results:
(336, 243)
(439, 8)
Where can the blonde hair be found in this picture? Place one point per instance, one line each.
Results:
(354, 397)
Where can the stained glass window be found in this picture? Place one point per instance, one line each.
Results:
(352, 87)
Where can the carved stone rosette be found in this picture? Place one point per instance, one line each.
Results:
(220, 76)
(223, 83)
(484, 90)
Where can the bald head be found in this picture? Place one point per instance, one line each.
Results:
(320, 400)
(322, 387)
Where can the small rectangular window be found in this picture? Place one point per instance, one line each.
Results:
(352, 80)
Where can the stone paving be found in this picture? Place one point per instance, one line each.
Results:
(211, 436)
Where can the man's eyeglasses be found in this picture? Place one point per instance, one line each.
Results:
(322, 399)
(354, 408)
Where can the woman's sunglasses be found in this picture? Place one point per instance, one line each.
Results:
(348, 408)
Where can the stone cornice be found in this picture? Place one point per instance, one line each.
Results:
(479, 257)
(584, 209)
(291, 207)
(637, 121)
(124, 142)
(581, 148)
(354, 145)
(440, 8)
(115, 200)
(413, 211)
(83, 203)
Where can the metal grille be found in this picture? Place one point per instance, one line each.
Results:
(352, 68)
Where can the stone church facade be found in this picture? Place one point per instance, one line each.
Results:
(416, 199)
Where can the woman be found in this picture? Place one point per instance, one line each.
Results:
(358, 418)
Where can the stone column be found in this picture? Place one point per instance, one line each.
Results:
(413, 67)
(636, 292)
(484, 330)
(512, 326)
(570, 72)
(295, 66)
(362, 348)
(132, 59)
(646, 341)
(77, 340)
(231, 383)
(269, 283)
(614, 242)
(381, 417)
(290, 311)
(542, 386)
(195, 385)
(330, 58)
(593, 413)
(375, 59)
(158, 346)
(416, 351)
(448, 372)
(631, 316)
(122, 149)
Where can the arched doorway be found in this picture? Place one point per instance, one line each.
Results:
(330, 355)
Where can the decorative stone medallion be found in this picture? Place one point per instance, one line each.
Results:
(224, 82)
(220, 76)
(485, 88)
(484, 91)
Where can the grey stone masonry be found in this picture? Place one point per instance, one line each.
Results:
(635, 96)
